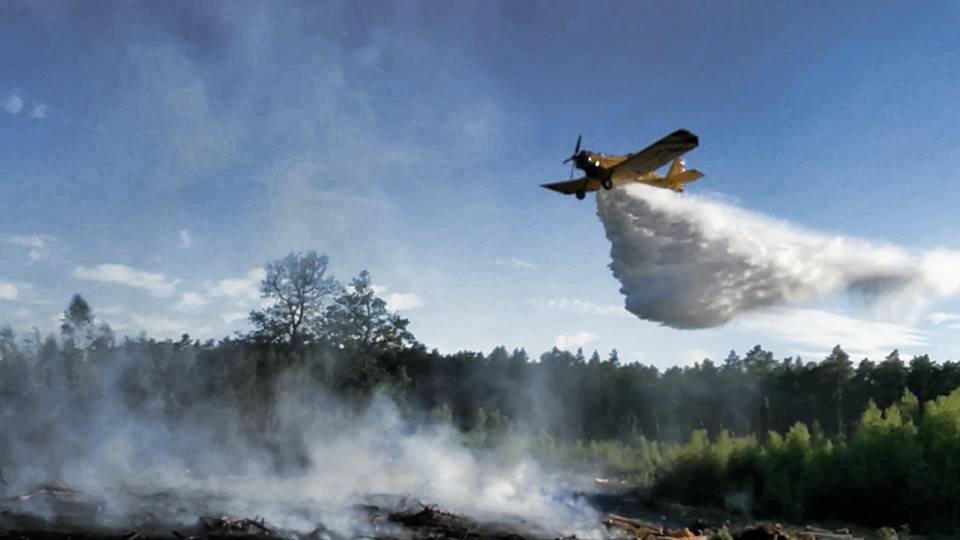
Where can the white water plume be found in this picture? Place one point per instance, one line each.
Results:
(690, 262)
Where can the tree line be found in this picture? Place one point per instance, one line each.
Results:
(898, 467)
(346, 341)
(676, 427)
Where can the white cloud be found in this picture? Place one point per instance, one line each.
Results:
(403, 301)
(118, 274)
(513, 262)
(110, 310)
(158, 326)
(694, 356)
(234, 316)
(945, 320)
(204, 332)
(8, 291)
(36, 243)
(585, 306)
(570, 342)
(14, 104)
(820, 330)
(398, 301)
(191, 300)
(938, 318)
(184, 239)
(243, 289)
(21, 292)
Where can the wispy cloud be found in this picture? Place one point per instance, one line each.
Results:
(585, 306)
(519, 264)
(36, 243)
(158, 326)
(938, 317)
(8, 291)
(820, 330)
(403, 301)
(39, 111)
(246, 288)
(117, 274)
(21, 292)
(692, 356)
(110, 310)
(398, 301)
(184, 240)
(574, 341)
(191, 300)
(948, 320)
(14, 104)
(233, 316)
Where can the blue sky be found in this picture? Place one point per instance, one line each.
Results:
(188, 143)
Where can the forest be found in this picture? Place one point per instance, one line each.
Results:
(872, 441)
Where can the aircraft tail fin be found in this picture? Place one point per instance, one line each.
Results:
(678, 175)
(678, 167)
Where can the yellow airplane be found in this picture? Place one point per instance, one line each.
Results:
(611, 171)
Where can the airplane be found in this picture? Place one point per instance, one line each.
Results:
(613, 171)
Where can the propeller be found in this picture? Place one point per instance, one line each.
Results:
(573, 156)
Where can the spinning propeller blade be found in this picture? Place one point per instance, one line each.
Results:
(576, 150)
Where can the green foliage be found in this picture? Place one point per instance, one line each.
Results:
(636, 461)
(910, 406)
(358, 321)
(890, 470)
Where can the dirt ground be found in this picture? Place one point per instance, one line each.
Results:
(625, 514)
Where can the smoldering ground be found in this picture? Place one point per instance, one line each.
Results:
(302, 458)
(686, 261)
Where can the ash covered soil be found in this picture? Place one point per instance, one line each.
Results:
(57, 512)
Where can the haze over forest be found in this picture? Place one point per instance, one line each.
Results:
(318, 346)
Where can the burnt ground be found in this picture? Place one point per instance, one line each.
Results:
(52, 512)
(629, 507)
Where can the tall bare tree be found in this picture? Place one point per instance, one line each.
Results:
(298, 290)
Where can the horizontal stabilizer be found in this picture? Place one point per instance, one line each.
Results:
(678, 180)
(570, 187)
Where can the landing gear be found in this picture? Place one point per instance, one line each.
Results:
(581, 194)
(608, 184)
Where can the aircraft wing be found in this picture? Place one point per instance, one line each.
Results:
(657, 154)
(570, 187)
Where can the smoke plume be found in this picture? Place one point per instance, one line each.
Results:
(301, 459)
(689, 262)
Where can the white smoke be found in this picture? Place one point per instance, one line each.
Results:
(321, 459)
(690, 262)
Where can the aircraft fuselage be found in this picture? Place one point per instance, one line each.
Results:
(600, 168)
(607, 172)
